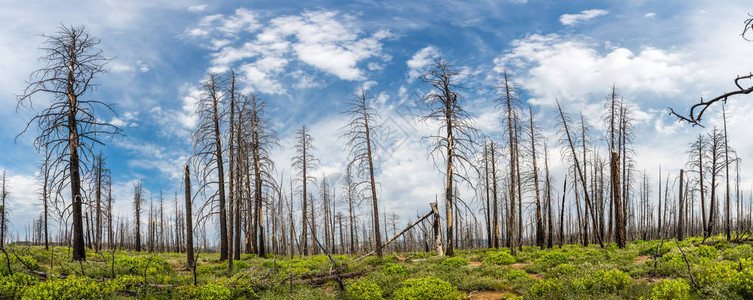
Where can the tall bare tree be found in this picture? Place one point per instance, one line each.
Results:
(305, 162)
(138, 200)
(361, 134)
(509, 104)
(539, 219)
(207, 141)
(455, 138)
(69, 127)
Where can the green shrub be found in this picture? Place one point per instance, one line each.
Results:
(363, 290)
(562, 270)
(454, 262)
(544, 288)
(11, 287)
(609, 281)
(734, 254)
(427, 288)
(649, 248)
(743, 283)
(670, 289)
(716, 274)
(707, 251)
(395, 269)
(515, 274)
(551, 259)
(209, 291)
(499, 258)
(73, 287)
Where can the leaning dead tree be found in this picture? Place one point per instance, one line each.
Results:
(361, 141)
(70, 126)
(207, 141)
(570, 145)
(454, 140)
(305, 162)
(743, 84)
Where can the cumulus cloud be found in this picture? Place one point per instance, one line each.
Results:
(270, 51)
(583, 16)
(552, 66)
(420, 60)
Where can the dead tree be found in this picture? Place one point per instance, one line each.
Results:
(207, 141)
(715, 155)
(548, 183)
(727, 221)
(539, 219)
(3, 211)
(305, 162)
(189, 220)
(138, 200)
(573, 155)
(361, 139)
(509, 103)
(695, 163)
(70, 126)
(619, 219)
(455, 138)
(45, 174)
(681, 208)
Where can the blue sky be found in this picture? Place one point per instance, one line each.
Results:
(305, 58)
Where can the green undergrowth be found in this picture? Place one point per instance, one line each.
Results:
(642, 270)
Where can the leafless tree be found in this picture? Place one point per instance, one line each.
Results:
(138, 201)
(305, 162)
(4, 193)
(207, 141)
(361, 134)
(69, 127)
(262, 141)
(454, 141)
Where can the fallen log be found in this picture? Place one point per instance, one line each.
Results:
(325, 279)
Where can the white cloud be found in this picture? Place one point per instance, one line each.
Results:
(420, 60)
(326, 41)
(650, 15)
(197, 8)
(550, 66)
(572, 19)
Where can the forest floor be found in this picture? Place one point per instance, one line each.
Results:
(723, 270)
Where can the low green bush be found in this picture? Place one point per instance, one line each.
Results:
(454, 262)
(551, 259)
(609, 281)
(427, 288)
(395, 269)
(743, 283)
(544, 289)
(12, 287)
(363, 290)
(670, 289)
(73, 287)
(498, 258)
(706, 251)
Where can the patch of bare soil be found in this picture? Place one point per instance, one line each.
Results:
(490, 295)
(475, 263)
(641, 259)
(519, 265)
